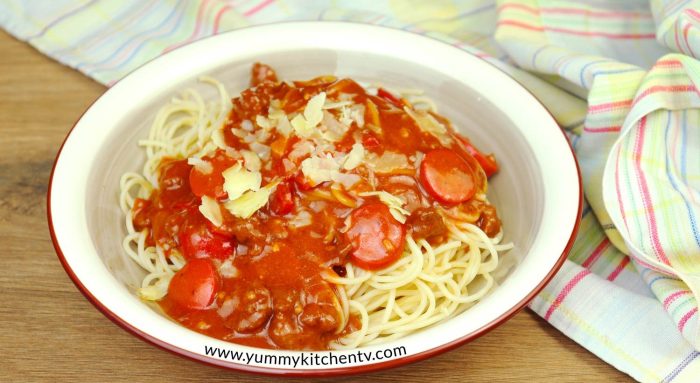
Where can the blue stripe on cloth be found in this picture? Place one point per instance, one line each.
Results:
(470, 12)
(671, 178)
(134, 38)
(62, 18)
(673, 374)
(582, 75)
(92, 37)
(537, 52)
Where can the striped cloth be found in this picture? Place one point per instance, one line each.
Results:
(621, 78)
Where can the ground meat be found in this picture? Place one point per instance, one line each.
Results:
(488, 221)
(261, 73)
(287, 333)
(285, 300)
(255, 309)
(426, 223)
(320, 316)
(245, 230)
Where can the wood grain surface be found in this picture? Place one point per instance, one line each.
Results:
(50, 332)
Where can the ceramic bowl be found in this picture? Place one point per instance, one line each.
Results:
(537, 192)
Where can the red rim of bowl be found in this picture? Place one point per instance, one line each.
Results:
(393, 363)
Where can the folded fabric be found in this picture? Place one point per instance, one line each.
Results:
(620, 77)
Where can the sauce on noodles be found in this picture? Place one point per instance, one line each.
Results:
(350, 179)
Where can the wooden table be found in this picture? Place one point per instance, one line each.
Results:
(49, 332)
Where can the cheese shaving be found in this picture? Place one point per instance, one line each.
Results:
(238, 180)
(228, 270)
(394, 203)
(284, 127)
(332, 129)
(427, 123)
(204, 167)
(211, 210)
(319, 169)
(156, 291)
(252, 161)
(305, 125)
(355, 157)
(388, 162)
(336, 104)
(217, 137)
(263, 122)
(251, 201)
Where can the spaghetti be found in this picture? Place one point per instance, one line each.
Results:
(310, 215)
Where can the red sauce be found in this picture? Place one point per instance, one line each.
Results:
(273, 294)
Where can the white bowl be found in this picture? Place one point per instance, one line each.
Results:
(537, 192)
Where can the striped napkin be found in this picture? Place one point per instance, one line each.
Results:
(621, 78)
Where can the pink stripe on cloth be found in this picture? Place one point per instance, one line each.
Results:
(217, 18)
(695, 14)
(668, 64)
(675, 37)
(665, 88)
(604, 129)
(608, 106)
(565, 291)
(618, 269)
(646, 196)
(648, 265)
(258, 8)
(617, 189)
(575, 11)
(685, 37)
(632, 36)
(672, 298)
(195, 32)
(686, 318)
(596, 252)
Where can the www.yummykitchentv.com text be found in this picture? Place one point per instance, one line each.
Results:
(305, 359)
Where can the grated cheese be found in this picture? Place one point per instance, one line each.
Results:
(302, 219)
(228, 270)
(263, 122)
(336, 104)
(252, 161)
(355, 157)
(238, 180)
(387, 162)
(284, 127)
(301, 149)
(394, 203)
(319, 169)
(157, 290)
(332, 129)
(204, 167)
(211, 210)
(263, 151)
(353, 113)
(427, 123)
(305, 125)
(247, 125)
(251, 201)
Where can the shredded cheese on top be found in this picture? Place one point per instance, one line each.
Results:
(355, 157)
(394, 203)
(211, 210)
(202, 166)
(238, 180)
(251, 201)
(305, 125)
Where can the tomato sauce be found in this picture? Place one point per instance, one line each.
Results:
(259, 281)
